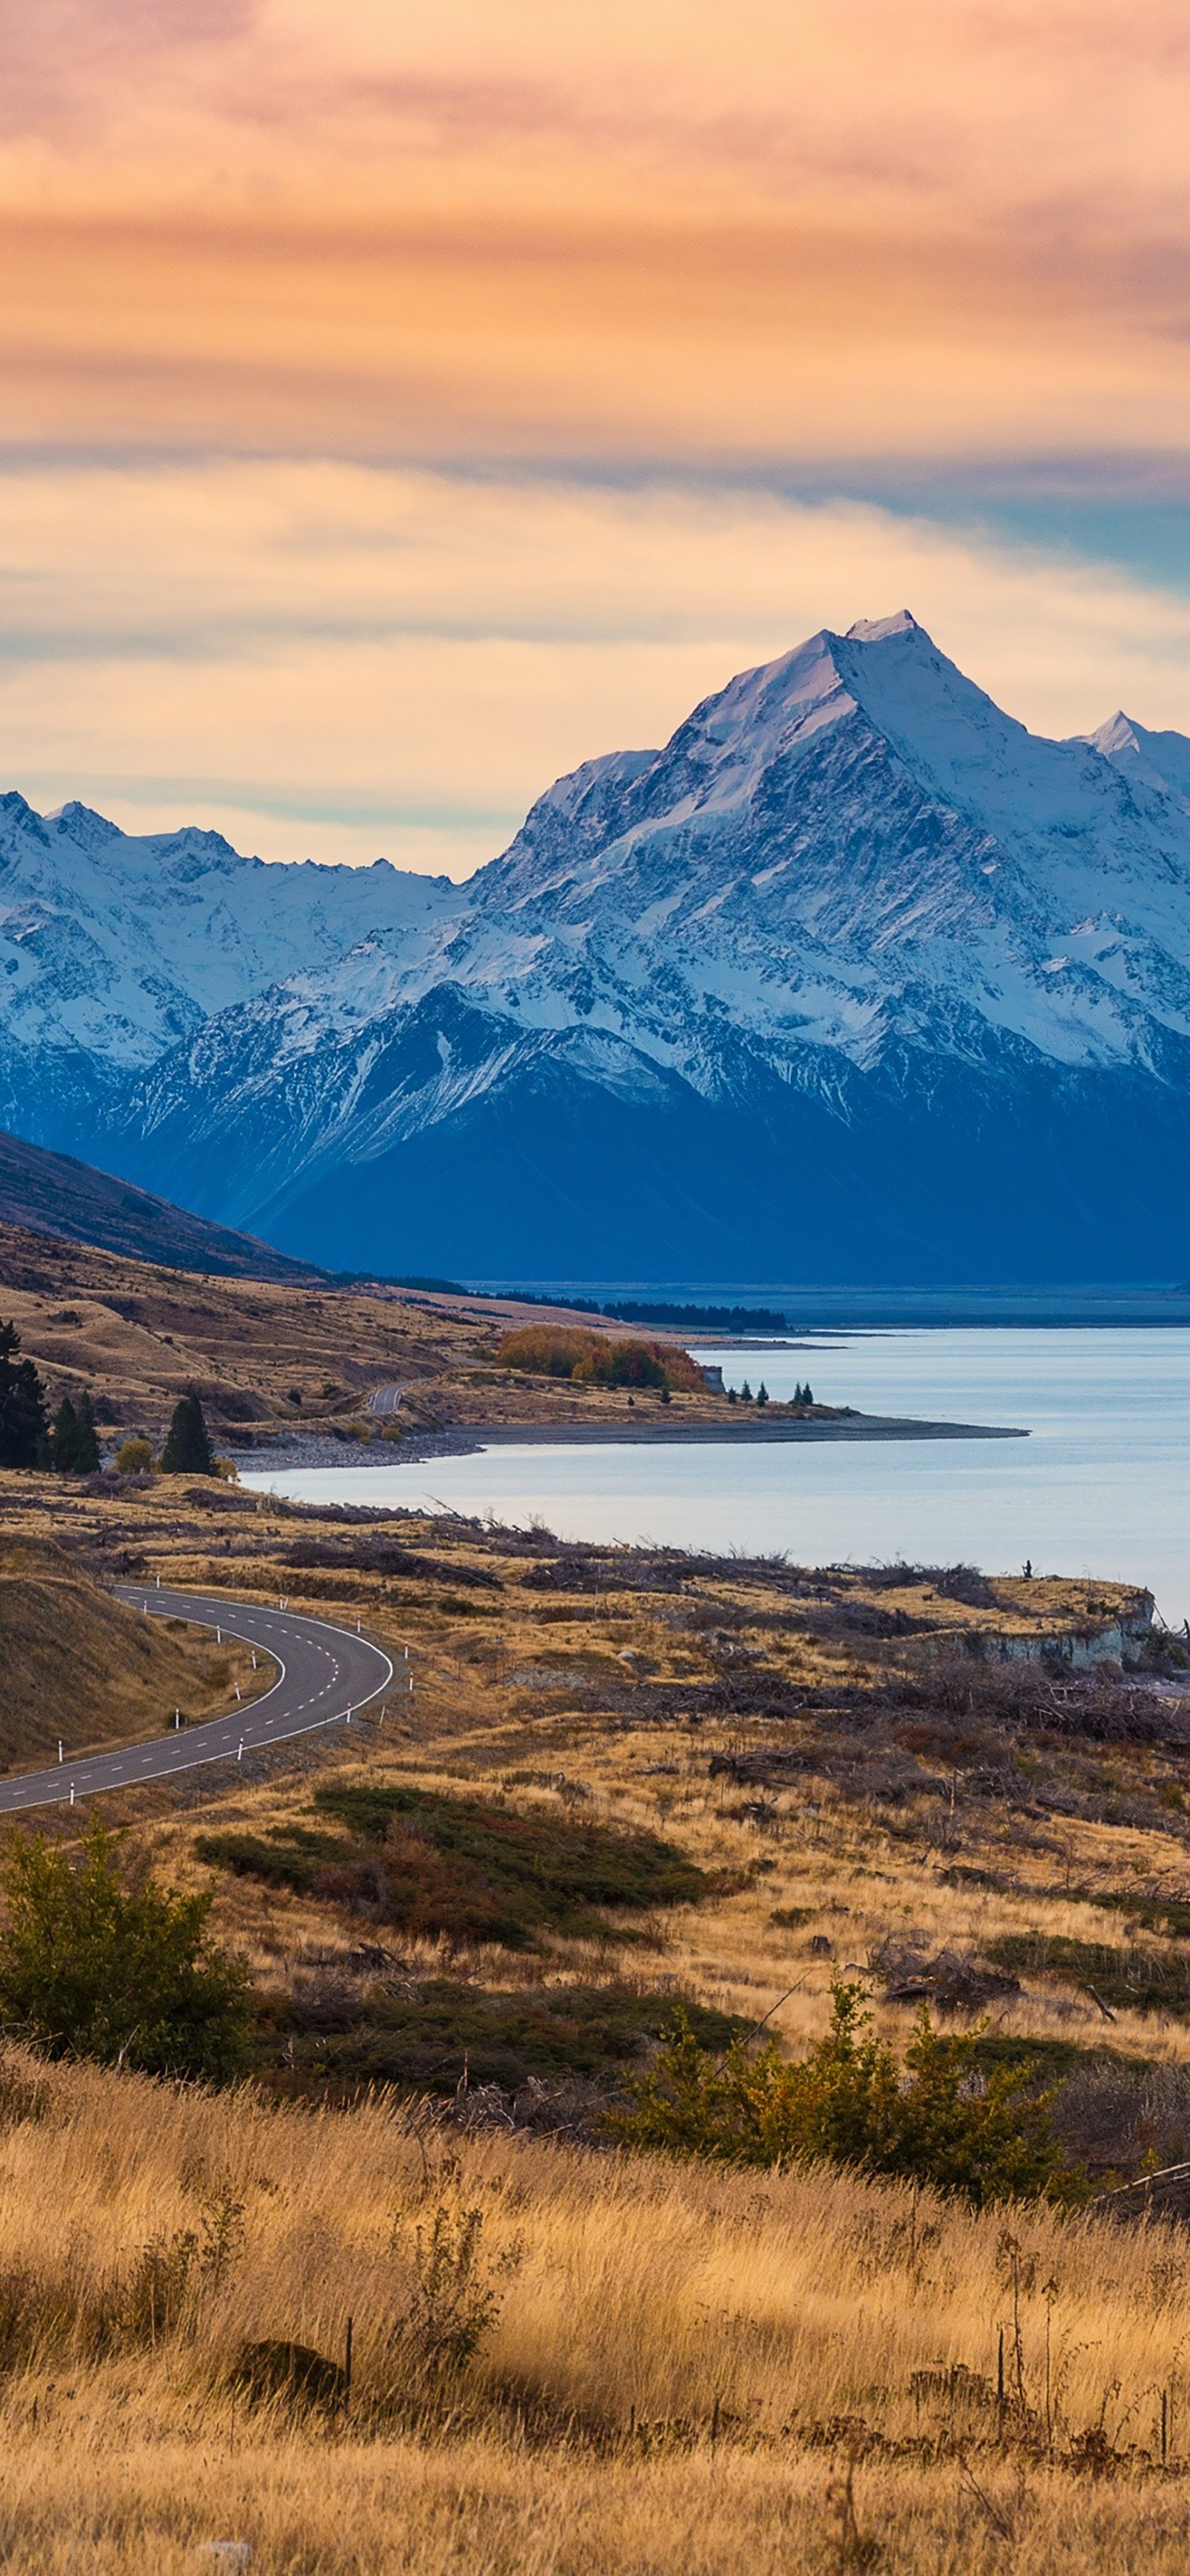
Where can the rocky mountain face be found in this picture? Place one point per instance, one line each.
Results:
(855, 979)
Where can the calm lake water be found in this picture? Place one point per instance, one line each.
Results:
(1101, 1486)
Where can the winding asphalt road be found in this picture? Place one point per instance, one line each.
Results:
(323, 1675)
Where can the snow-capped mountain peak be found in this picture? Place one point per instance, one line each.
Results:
(850, 906)
(1158, 761)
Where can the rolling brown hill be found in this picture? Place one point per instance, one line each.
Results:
(55, 1194)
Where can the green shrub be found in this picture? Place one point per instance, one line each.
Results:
(134, 1458)
(847, 2101)
(92, 1968)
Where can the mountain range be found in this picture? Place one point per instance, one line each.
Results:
(854, 980)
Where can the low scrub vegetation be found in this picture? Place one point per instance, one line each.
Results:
(434, 1865)
(1124, 1977)
(445, 2037)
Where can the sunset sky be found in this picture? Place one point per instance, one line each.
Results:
(401, 404)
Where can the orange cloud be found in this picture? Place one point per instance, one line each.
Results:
(636, 231)
(337, 242)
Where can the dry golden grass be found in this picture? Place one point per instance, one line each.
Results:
(685, 2360)
(79, 1666)
(682, 2363)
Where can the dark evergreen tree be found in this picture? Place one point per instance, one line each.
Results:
(762, 1393)
(64, 1439)
(799, 1393)
(88, 1437)
(745, 1393)
(24, 1429)
(74, 1448)
(807, 1396)
(188, 1450)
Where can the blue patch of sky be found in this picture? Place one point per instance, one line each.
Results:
(1146, 537)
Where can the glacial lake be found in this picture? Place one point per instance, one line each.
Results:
(1101, 1485)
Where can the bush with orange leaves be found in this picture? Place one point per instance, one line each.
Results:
(592, 1359)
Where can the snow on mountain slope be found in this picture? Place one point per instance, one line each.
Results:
(113, 948)
(849, 900)
(827, 839)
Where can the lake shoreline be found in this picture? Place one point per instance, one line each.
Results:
(467, 1440)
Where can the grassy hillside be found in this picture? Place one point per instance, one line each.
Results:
(270, 1354)
(79, 1666)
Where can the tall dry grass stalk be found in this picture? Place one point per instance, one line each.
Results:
(682, 2362)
